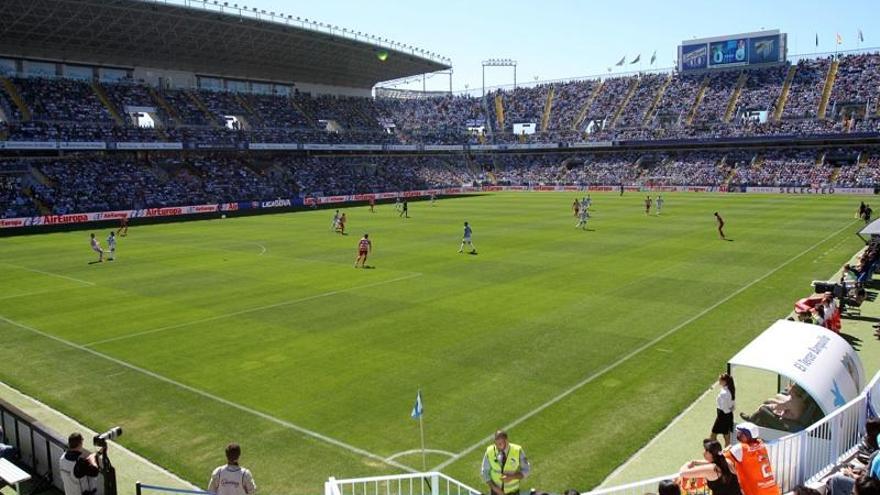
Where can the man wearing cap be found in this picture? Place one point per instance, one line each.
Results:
(752, 462)
(504, 465)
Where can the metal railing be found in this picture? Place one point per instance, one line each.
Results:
(431, 483)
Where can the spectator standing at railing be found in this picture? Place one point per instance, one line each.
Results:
(504, 466)
(751, 462)
(232, 479)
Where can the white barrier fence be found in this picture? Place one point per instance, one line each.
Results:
(798, 458)
(432, 483)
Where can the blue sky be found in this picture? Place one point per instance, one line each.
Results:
(554, 39)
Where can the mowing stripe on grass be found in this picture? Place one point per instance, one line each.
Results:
(210, 396)
(249, 310)
(72, 279)
(638, 350)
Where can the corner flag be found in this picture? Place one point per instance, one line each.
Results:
(417, 409)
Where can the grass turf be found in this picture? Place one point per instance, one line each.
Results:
(248, 329)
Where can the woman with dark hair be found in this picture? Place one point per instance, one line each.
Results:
(667, 487)
(724, 405)
(714, 469)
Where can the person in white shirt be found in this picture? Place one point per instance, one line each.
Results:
(583, 216)
(232, 479)
(96, 247)
(724, 405)
(335, 222)
(111, 246)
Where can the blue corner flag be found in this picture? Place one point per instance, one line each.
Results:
(417, 409)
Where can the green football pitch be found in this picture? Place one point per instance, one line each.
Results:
(584, 344)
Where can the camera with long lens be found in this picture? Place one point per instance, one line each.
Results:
(104, 464)
(111, 434)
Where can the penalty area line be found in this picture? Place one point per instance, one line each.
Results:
(58, 275)
(251, 310)
(207, 395)
(635, 352)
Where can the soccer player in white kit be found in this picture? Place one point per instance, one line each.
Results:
(96, 247)
(111, 246)
(335, 222)
(466, 239)
(659, 203)
(583, 216)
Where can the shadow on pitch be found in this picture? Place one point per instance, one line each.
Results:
(854, 341)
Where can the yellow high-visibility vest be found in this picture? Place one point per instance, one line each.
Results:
(511, 466)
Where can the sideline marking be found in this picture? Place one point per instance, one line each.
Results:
(72, 279)
(637, 350)
(207, 395)
(250, 310)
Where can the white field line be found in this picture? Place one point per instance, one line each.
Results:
(637, 350)
(134, 455)
(35, 293)
(72, 279)
(251, 310)
(657, 437)
(215, 398)
(417, 451)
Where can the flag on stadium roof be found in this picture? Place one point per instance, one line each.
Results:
(622, 60)
(417, 409)
(636, 60)
(817, 39)
(654, 57)
(861, 36)
(839, 39)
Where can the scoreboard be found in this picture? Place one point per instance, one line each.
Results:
(766, 47)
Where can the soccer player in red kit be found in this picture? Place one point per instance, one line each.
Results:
(648, 205)
(365, 247)
(123, 226)
(720, 225)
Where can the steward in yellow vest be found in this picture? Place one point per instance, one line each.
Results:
(504, 465)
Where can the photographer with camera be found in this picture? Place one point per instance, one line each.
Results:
(79, 469)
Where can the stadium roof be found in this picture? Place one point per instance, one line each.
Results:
(210, 37)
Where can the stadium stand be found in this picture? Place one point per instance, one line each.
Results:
(123, 181)
(637, 107)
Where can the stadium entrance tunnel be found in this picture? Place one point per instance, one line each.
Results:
(816, 372)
